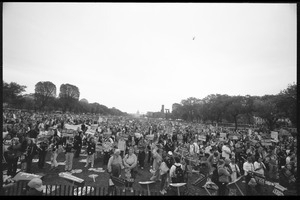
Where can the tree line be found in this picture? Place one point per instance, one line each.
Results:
(45, 99)
(222, 108)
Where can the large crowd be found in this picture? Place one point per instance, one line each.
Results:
(171, 147)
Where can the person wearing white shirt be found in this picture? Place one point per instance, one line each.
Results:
(207, 150)
(173, 168)
(121, 146)
(196, 147)
(235, 170)
(248, 166)
(226, 152)
(259, 166)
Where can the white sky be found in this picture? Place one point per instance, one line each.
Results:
(138, 56)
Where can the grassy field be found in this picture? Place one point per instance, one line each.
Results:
(52, 177)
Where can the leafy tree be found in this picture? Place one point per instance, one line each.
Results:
(12, 93)
(267, 108)
(69, 96)
(236, 106)
(287, 103)
(45, 92)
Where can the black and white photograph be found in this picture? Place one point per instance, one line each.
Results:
(149, 99)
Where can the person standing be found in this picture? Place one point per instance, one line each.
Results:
(122, 146)
(42, 151)
(226, 151)
(91, 149)
(130, 163)
(235, 170)
(69, 153)
(107, 148)
(29, 154)
(12, 157)
(259, 166)
(142, 154)
(157, 159)
(149, 159)
(114, 167)
(77, 144)
(176, 177)
(248, 167)
(224, 177)
(54, 150)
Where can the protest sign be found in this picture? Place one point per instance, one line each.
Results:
(266, 142)
(274, 135)
(279, 190)
(202, 137)
(100, 119)
(72, 127)
(222, 137)
(149, 137)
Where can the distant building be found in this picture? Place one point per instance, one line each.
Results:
(162, 109)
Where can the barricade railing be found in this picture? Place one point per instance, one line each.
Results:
(19, 189)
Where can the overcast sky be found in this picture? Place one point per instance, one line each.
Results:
(138, 56)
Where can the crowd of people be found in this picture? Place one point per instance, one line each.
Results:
(170, 147)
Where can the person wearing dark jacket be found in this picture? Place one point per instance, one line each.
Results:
(29, 154)
(142, 154)
(77, 144)
(32, 133)
(91, 149)
(42, 151)
(12, 157)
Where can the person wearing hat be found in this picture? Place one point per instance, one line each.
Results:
(36, 187)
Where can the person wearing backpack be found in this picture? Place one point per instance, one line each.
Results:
(176, 172)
